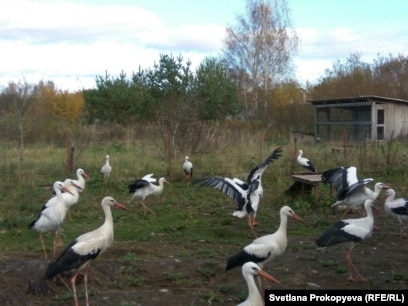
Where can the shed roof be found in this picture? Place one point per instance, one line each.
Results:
(358, 99)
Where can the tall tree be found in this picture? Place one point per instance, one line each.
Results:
(21, 98)
(216, 93)
(258, 50)
(391, 74)
(170, 83)
(113, 100)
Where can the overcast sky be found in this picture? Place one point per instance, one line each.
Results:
(71, 42)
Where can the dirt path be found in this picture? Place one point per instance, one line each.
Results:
(148, 274)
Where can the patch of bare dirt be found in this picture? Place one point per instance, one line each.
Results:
(150, 278)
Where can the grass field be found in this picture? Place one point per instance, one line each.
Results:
(186, 215)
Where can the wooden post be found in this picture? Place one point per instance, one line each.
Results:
(293, 160)
(169, 152)
(70, 153)
(261, 138)
(71, 161)
(344, 147)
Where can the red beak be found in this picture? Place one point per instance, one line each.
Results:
(120, 206)
(268, 276)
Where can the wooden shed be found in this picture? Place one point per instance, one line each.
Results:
(361, 118)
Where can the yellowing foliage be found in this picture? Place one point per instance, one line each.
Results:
(58, 105)
(68, 106)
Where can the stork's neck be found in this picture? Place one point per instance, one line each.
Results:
(283, 226)
(81, 180)
(59, 195)
(108, 216)
(369, 212)
(254, 297)
(161, 184)
(377, 191)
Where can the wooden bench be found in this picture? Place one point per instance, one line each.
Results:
(308, 179)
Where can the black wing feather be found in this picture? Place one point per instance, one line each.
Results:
(262, 166)
(337, 177)
(335, 235)
(401, 210)
(227, 186)
(310, 166)
(68, 260)
(137, 185)
(241, 258)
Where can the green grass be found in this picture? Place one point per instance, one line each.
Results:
(192, 222)
(183, 213)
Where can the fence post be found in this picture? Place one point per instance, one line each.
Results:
(70, 154)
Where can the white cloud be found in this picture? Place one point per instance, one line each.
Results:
(61, 40)
(53, 22)
(72, 42)
(320, 48)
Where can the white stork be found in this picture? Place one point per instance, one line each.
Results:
(246, 195)
(249, 271)
(396, 207)
(236, 189)
(106, 169)
(304, 162)
(144, 187)
(79, 253)
(70, 198)
(352, 231)
(188, 168)
(80, 181)
(51, 216)
(351, 191)
(265, 248)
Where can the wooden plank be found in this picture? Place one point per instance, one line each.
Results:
(309, 179)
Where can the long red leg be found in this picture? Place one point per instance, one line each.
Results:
(145, 207)
(351, 267)
(43, 246)
(86, 285)
(55, 243)
(251, 225)
(73, 279)
(345, 212)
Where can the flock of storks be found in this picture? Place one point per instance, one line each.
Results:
(350, 191)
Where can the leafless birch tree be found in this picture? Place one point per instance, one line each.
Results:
(258, 50)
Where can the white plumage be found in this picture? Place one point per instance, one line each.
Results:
(188, 168)
(352, 231)
(265, 248)
(396, 207)
(351, 191)
(304, 162)
(236, 189)
(144, 187)
(246, 195)
(80, 181)
(51, 216)
(71, 197)
(78, 254)
(106, 169)
(249, 271)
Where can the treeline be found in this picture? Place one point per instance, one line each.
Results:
(176, 100)
(386, 76)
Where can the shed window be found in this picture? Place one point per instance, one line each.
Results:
(380, 116)
(380, 133)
